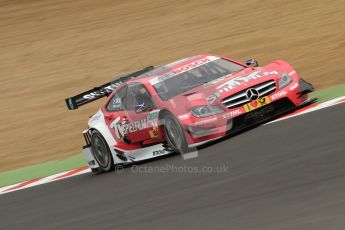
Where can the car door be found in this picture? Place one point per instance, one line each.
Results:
(141, 114)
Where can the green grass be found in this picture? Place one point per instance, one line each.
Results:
(77, 161)
(41, 170)
(329, 93)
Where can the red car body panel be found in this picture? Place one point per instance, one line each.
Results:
(211, 93)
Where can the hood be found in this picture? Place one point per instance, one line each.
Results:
(218, 89)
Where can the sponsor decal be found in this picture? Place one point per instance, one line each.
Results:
(233, 83)
(257, 104)
(122, 126)
(183, 117)
(278, 95)
(294, 86)
(154, 132)
(192, 65)
(203, 122)
(183, 69)
(153, 115)
(236, 82)
(232, 114)
(292, 72)
(159, 152)
(101, 92)
(116, 103)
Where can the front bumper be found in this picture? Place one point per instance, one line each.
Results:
(202, 130)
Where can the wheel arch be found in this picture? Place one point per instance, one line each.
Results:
(163, 113)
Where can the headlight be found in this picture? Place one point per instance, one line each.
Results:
(284, 80)
(205, 111)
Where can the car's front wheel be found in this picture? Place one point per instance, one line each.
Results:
(174, 134)
(101, 152)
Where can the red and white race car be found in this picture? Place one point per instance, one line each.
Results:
(176, 107)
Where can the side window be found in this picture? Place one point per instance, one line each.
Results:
(138, 98)
(117, 102)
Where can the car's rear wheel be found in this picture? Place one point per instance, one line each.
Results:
(101, 152)
(174, 134)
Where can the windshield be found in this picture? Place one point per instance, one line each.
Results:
(174, 84)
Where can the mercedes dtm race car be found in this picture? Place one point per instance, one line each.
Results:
(174, 108)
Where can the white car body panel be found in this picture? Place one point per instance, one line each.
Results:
(97, 122)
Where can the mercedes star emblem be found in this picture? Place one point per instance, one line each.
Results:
(252, 94)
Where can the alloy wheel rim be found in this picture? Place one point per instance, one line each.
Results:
(100, 152)
(173, 134)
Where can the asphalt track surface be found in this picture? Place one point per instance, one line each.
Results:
(286, 175)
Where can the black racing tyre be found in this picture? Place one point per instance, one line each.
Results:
(101, 152)
(174, 134)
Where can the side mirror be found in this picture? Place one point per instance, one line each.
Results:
(252, 62)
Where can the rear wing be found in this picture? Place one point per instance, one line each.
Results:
(102, 91)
